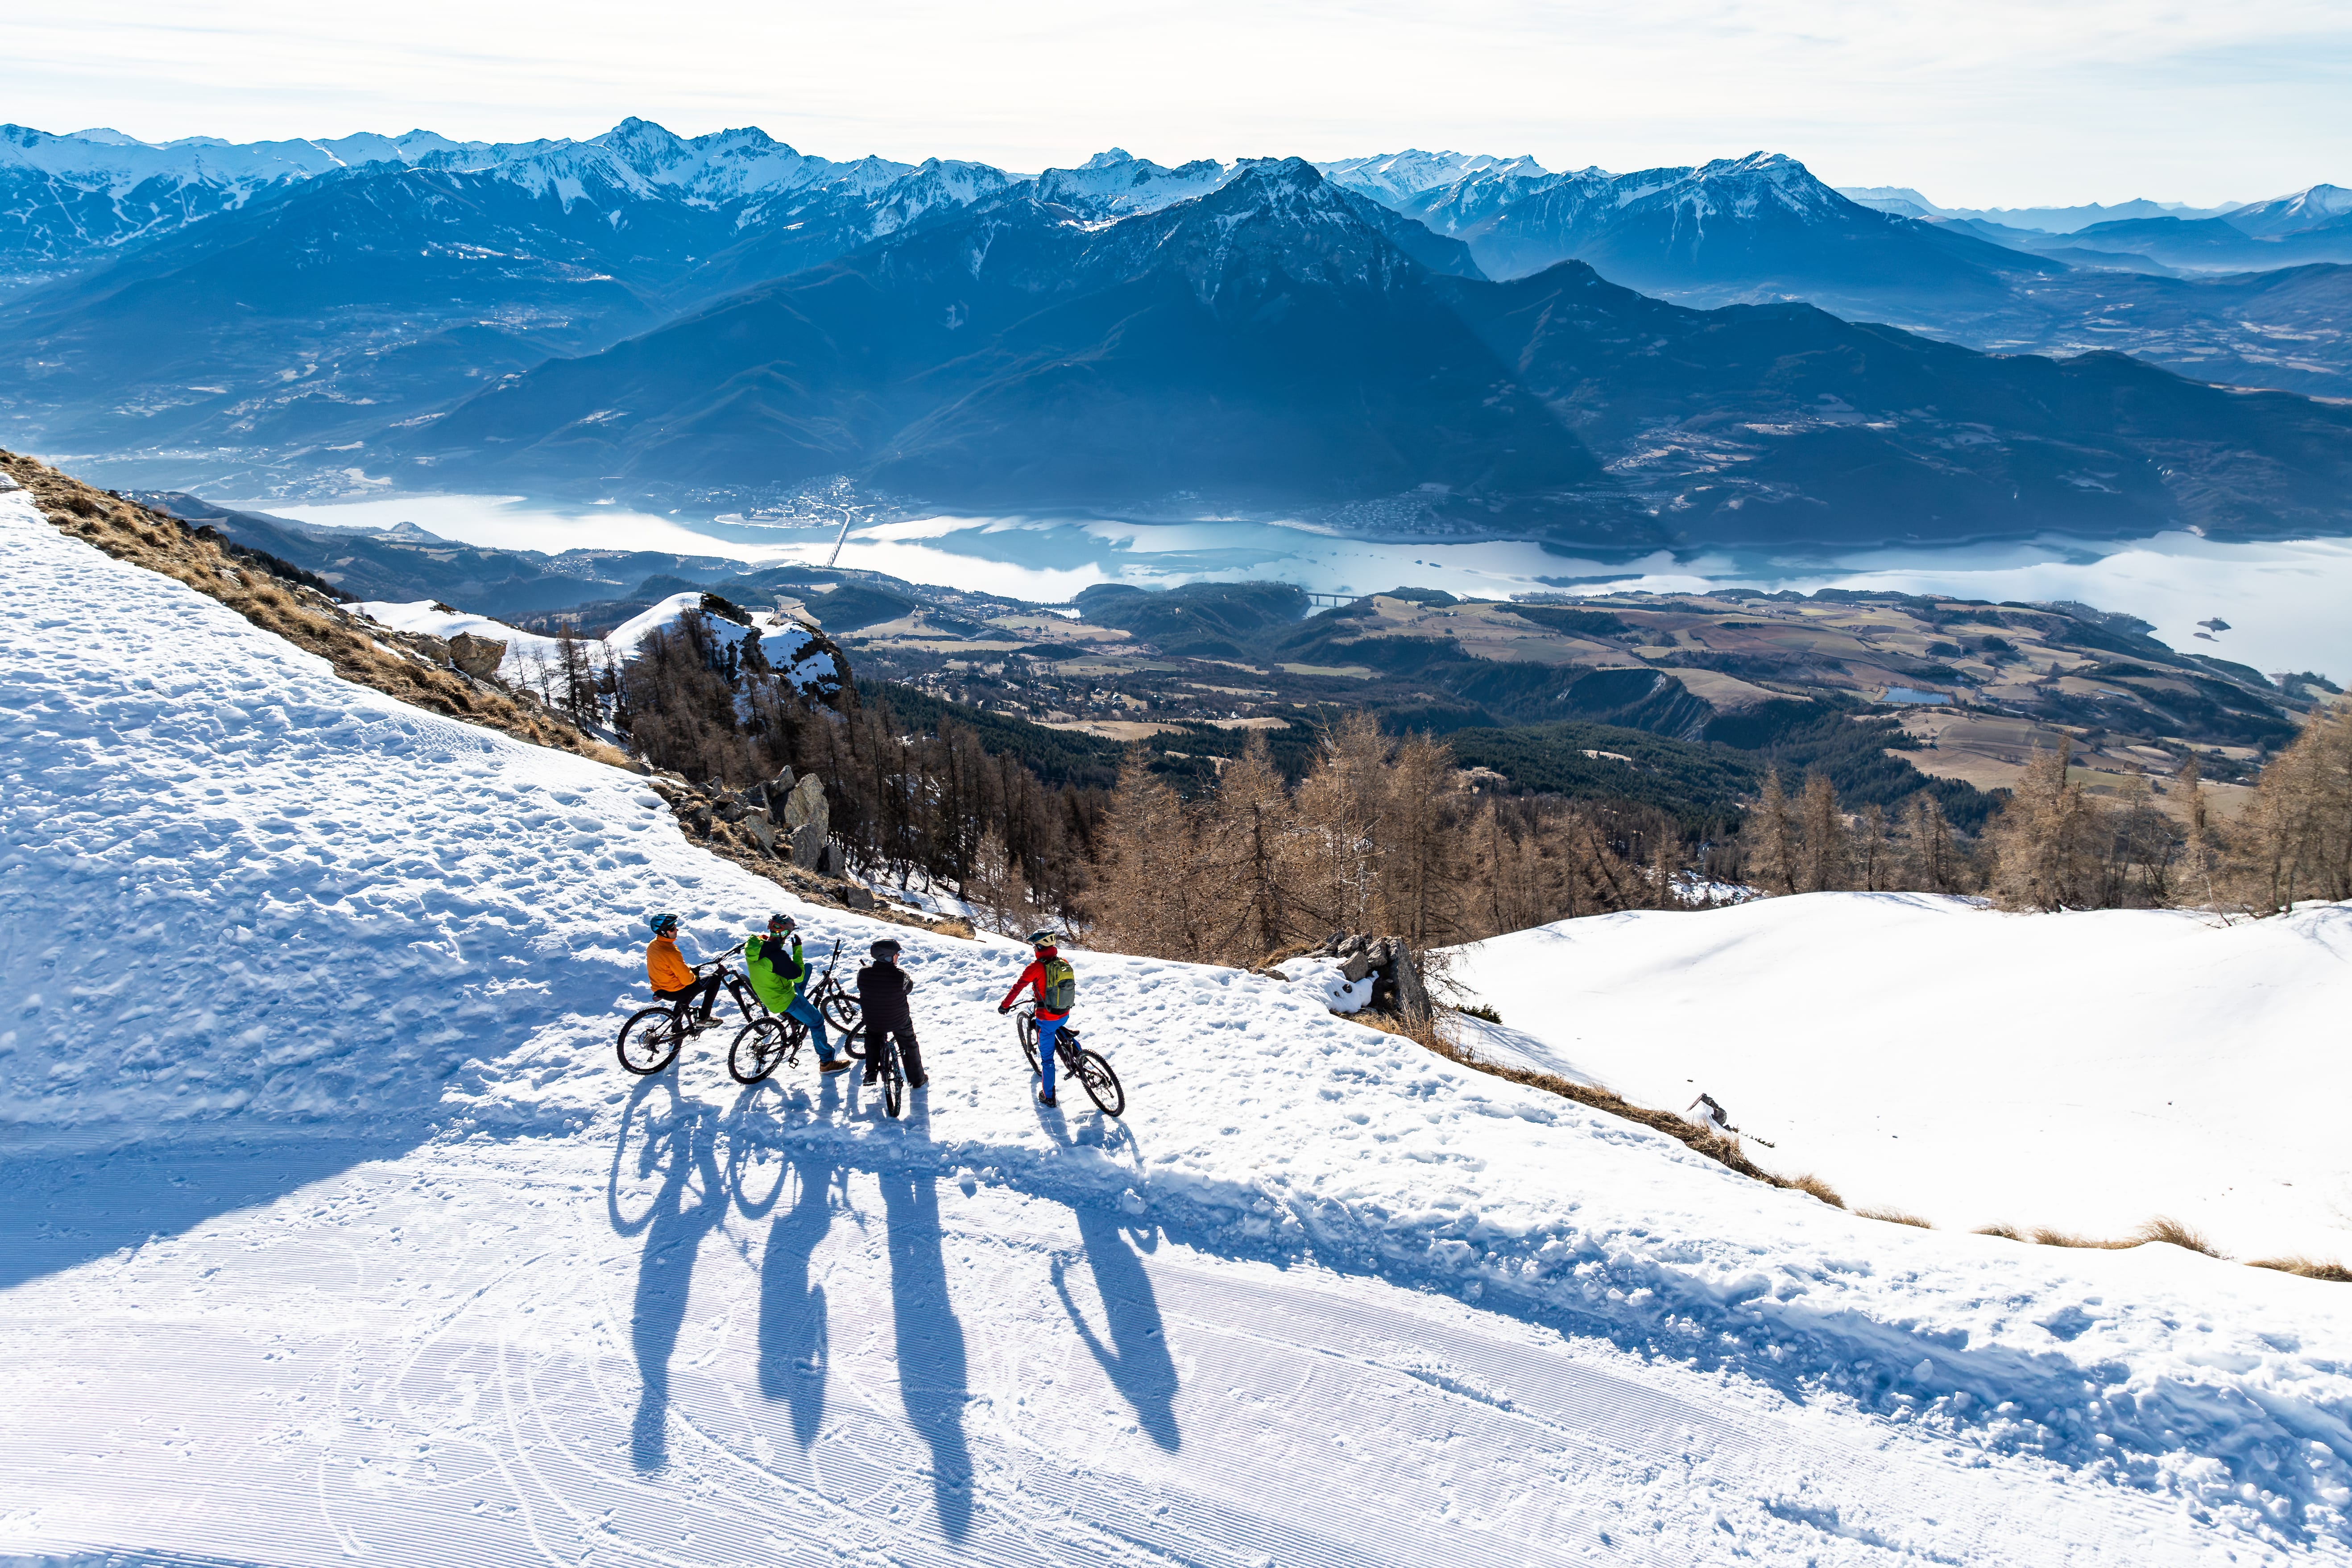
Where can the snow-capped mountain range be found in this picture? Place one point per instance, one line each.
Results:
(67, 199)
(279, 302)
(1283, 341)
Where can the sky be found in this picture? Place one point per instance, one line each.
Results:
(1986, 103)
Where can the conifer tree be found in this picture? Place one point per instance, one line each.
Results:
(995, 891)
(1931, 859)
(2038, 840)
(1874, 864)
(575, 678)
(2198, 858)
(1147, 895)
(1249, 860)
(1773, 861)
(1420, 890)
(1823, 828)
(2298, 828)
(1342, 803)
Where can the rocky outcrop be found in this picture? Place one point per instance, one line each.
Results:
(782, 830)
(477, 656)
(1398, 986)
(806, 807)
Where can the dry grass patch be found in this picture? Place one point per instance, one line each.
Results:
(2172, 1233)
(1818, 1188)
(1431, 1035)
(1894, 1216)
(361, 652)
(2307, 1268)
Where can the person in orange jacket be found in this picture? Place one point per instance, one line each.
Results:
(1057, 987)
(674, 980)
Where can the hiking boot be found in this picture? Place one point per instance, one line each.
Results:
(918, 1083)
(1047, 1100)
(838, 1065)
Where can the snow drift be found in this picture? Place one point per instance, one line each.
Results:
(257, 903)
(2082, 1071)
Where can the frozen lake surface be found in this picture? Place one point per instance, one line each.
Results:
(2284, 601)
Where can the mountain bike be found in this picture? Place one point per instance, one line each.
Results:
(763, 1045)
(835, 1001)
(889, 1069)
(1087, 1067)
(651, 1039)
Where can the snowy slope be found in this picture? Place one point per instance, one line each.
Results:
(2082, 1071)
(335, 1231)
(525, 650)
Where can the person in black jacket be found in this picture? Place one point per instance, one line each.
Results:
(882, 988)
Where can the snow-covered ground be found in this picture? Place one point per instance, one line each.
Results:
(527, 653)
(530, 657)
(2084, 1071)
(334, 1231)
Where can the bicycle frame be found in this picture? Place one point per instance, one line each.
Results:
(1066, 1038)
(732, 982)
(827, 984)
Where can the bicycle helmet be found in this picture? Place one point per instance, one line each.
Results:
(1041, 939)
(887, 948)
(780, 923)
(660, 924)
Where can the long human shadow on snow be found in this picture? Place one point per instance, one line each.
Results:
(932, 1374)
(682, 1145)
(933, 1360)
(1136, 1361)
(794, 1329)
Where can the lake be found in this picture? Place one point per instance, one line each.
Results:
(2284, 602)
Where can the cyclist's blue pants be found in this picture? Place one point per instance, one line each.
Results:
(1047, 1029)
(804, 1013)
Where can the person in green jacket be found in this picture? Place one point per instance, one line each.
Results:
(774, 963)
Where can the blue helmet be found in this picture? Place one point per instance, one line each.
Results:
(660, 924)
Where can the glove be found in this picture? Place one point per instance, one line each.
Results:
(1002, 1008)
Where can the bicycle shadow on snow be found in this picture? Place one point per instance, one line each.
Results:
(793, 1336)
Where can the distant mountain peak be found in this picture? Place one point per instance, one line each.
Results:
(1397, 177)
(1116, 184)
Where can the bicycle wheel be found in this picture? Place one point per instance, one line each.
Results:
(894, 1082)
(1024, 1029)
(1102, 1084)
(853, 1043)
(649, 1041)
(840, 1009)
(762, 1045)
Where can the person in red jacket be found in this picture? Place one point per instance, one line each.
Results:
(1056, 983)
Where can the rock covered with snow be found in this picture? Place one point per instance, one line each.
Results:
(797, 653)
(1330, 980)
(1355, 970)
(522, 655)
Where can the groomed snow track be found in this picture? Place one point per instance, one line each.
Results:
(335, 1231)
